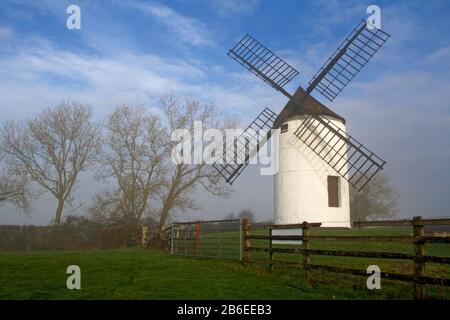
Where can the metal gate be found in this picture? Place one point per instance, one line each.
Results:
(207, 239)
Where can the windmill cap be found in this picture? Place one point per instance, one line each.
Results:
(311, 105)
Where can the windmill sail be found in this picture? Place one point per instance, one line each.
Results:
(351, 56)
(246, 146)
(349, 158)
(265, 64)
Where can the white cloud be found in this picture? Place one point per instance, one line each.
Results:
(49, 75)
(189, 30)
(440, 55)
(39, 74)
(235, 6)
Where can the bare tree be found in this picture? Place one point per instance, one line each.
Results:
(230, 216)
(182, 179)
(242, 214)
(246, 214)
(106, 208)
(377, 200)
(132, 158)
(54, 148)
(14, 186)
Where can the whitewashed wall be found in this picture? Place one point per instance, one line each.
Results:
(300, 186)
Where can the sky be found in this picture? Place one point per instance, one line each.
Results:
(134, 51)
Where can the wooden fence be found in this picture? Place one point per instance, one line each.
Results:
(418, 239)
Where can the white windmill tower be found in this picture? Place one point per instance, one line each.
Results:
(318, 160)
(307, 188)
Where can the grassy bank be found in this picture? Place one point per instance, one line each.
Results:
(151, 274)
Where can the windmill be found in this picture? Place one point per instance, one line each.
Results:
(318, 160)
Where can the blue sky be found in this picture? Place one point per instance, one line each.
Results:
(133, 51)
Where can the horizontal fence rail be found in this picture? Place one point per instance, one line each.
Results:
(418, 239)
(338, 238)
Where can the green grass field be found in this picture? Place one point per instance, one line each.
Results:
(141, 274)
(154, 274)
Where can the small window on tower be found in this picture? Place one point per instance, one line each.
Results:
(284, 127)
(333, 191)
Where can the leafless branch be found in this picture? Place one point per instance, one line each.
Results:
(53, 148)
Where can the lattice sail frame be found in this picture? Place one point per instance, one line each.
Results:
(345, 63)
(243, 149)
(349, 158)
(261, 61)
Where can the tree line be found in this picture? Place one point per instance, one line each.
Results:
(130, 152)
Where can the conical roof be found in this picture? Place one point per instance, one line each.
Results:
(311, 105)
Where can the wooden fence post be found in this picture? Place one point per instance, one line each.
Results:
(305, 242)
(270, 250)
(144, 235)
(198, 230)
(246, 244)
(419, 252)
